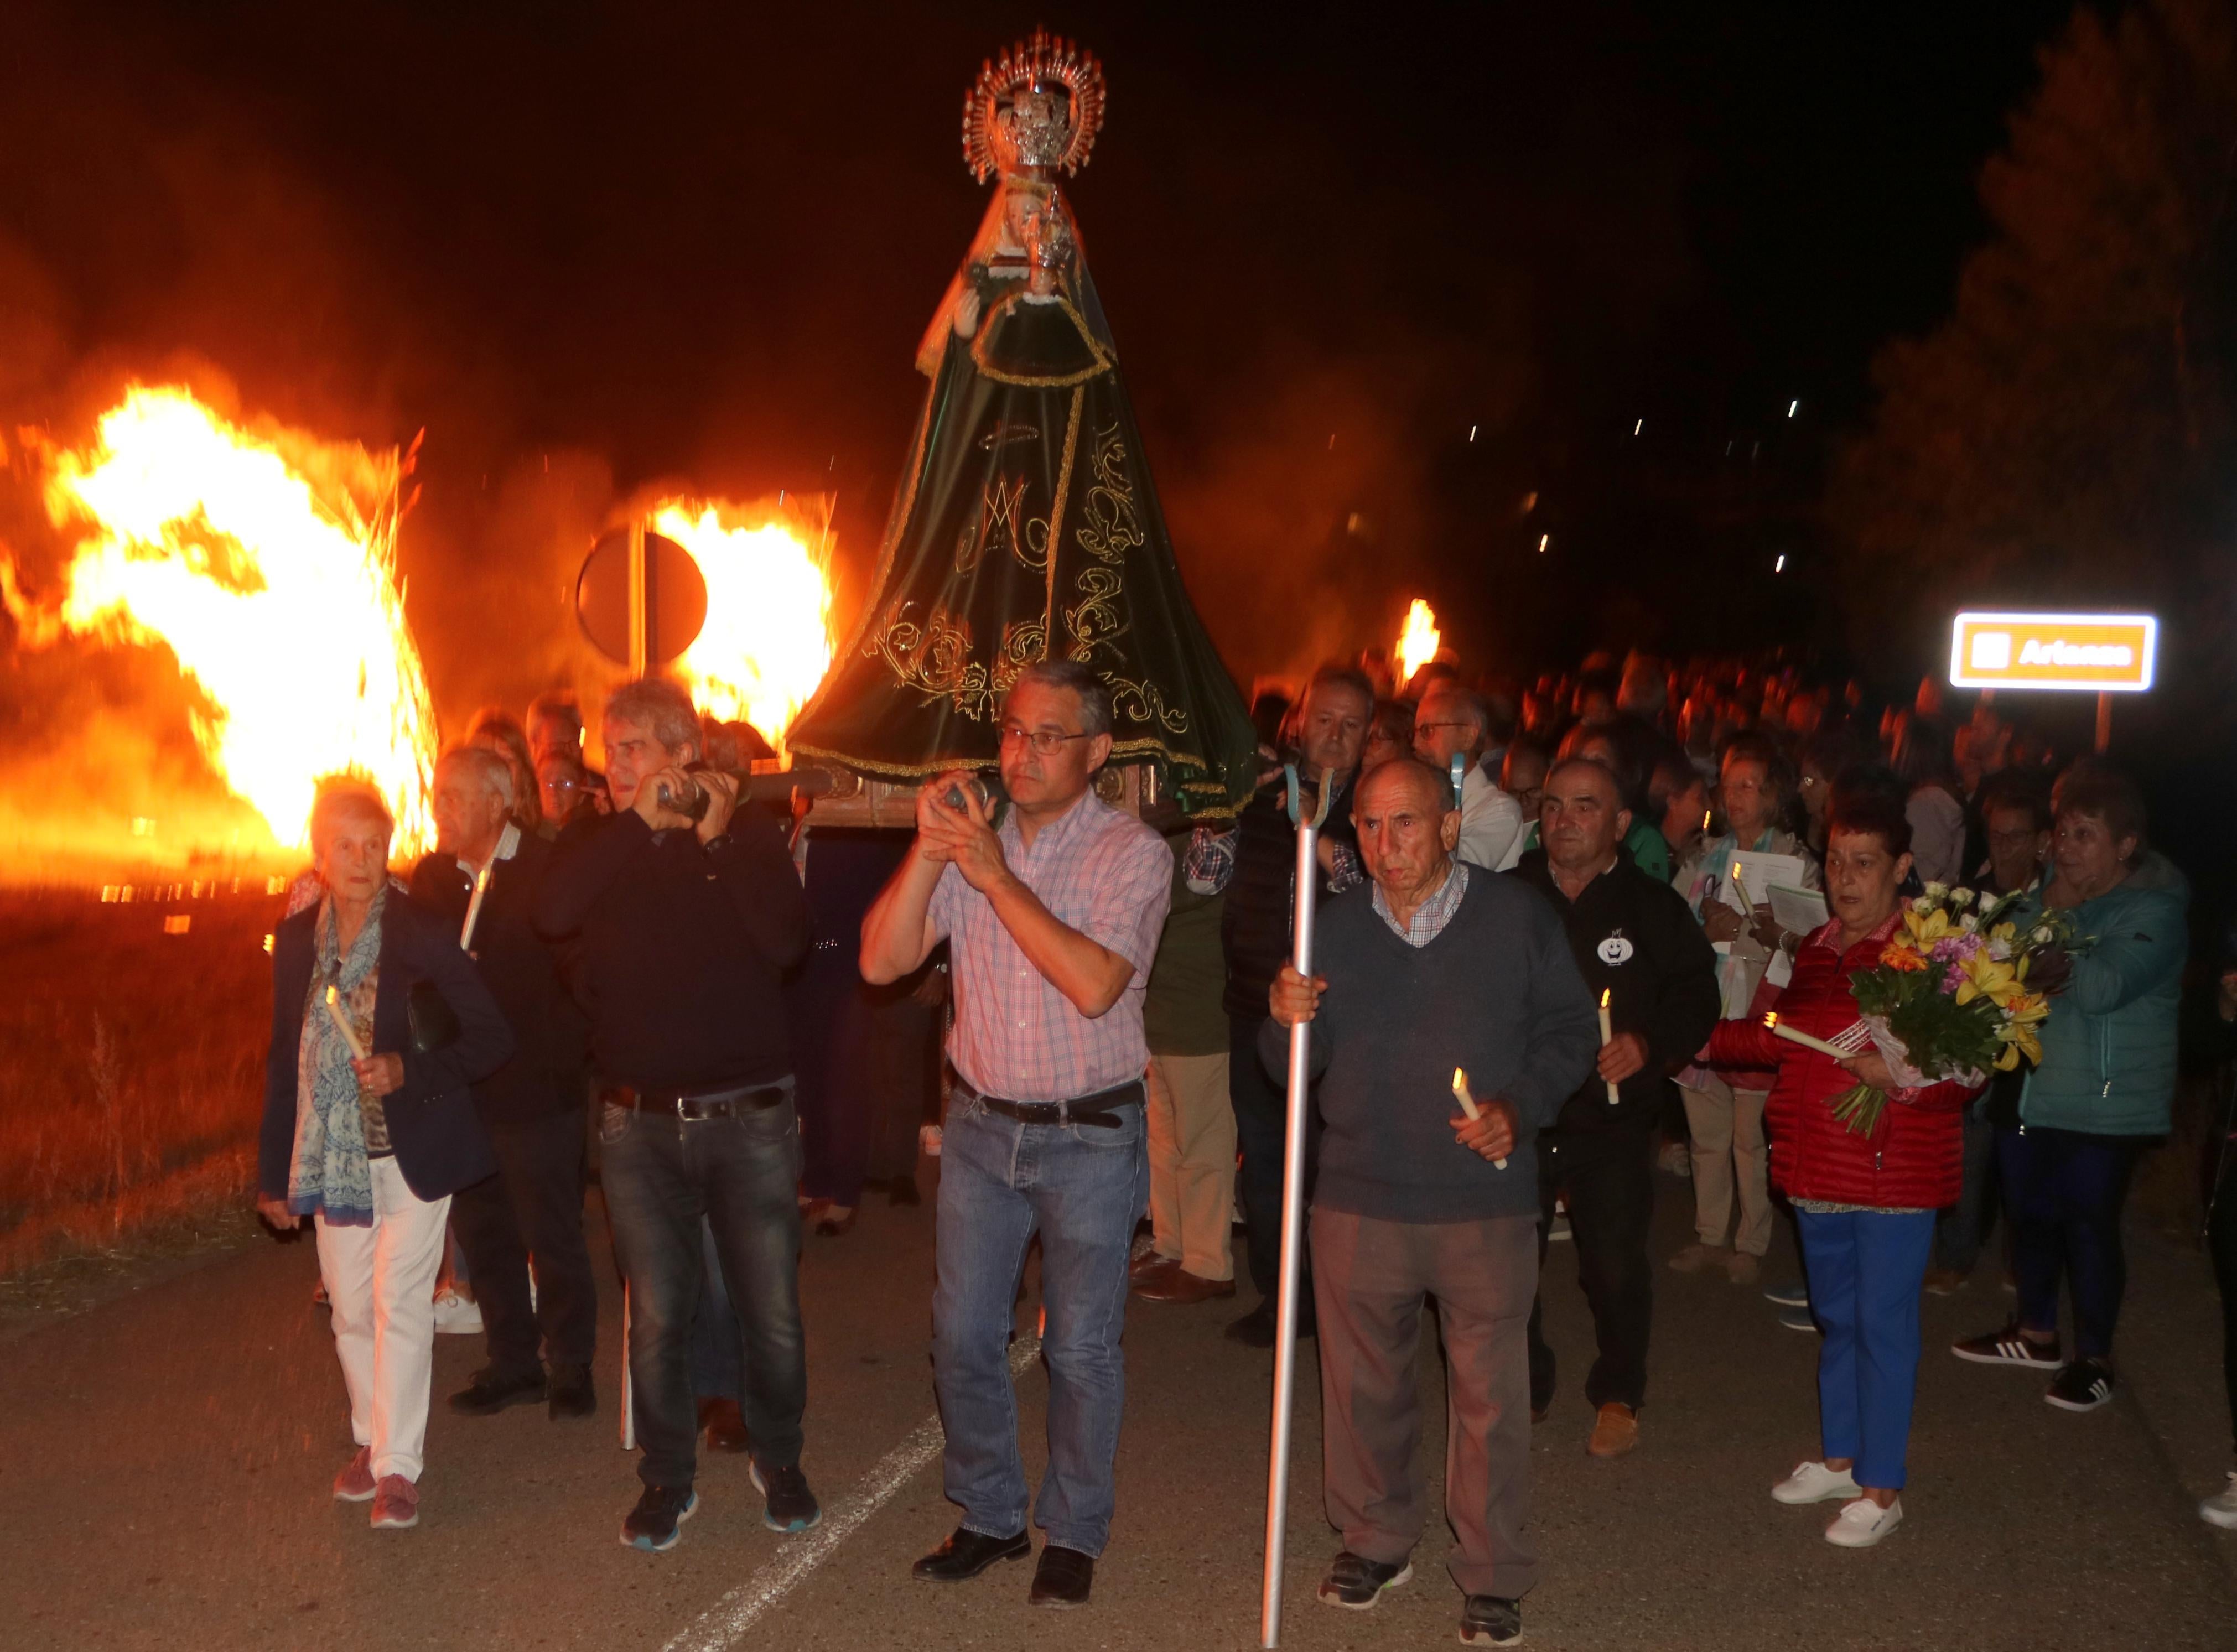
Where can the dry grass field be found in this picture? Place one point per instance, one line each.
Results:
(131, 1064)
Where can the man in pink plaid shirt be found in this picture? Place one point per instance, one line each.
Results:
(1053, 918)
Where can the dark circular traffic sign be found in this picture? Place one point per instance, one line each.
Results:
(674, 597)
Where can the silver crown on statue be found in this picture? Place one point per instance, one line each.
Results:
(1035, 109)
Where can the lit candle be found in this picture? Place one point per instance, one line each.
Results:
(1607, 1037)
(1468, 1105)
(341, 1021)
(1747, 901)
(474, 909)
(1770, 1020)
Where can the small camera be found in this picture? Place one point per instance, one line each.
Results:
(692, 805)
(955, 796)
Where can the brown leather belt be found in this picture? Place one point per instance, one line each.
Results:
(703, 1102)
(1096, 1110)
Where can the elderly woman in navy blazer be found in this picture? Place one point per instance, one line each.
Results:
(379, 1024)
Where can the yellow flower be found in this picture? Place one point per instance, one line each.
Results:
(1927, 929)
(1986, 979)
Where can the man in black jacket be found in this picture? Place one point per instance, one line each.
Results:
(1644, 959)
(530, 1108)
(1255, 934)
(687, 914)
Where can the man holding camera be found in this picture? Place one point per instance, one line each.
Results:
(1052, 916)
(686, 912)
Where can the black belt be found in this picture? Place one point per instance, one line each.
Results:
(1096, 1110)
(704, 1101)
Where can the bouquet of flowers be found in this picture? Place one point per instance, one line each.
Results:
(1958, 989)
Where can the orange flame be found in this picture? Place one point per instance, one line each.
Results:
(251, 557)
(768, 641)
(1418, 643)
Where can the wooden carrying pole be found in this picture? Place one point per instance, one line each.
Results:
(2104, 722)
(1293, 1216)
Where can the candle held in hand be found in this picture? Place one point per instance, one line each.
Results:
(1607, 1037)
(1747, 901)
(1468, 1106)
(1794, 1037)
(342, 1022)
(474, 910)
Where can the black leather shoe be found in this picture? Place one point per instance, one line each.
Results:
(966, 1554)
(491, 1390)
(570, 1392)
(1063, 1578)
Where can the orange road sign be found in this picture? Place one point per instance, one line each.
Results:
(2090, 653)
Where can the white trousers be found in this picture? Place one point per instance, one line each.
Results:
(380, 1287)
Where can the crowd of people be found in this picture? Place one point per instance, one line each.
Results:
(1554, 921)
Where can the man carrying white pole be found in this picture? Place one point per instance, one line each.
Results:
(1442, 967)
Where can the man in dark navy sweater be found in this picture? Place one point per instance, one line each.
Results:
(1439, 968)
(686, 914)
(1642, 953)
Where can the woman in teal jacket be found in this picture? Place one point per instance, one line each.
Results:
(2102, 1093)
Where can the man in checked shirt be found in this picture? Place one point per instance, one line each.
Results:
(1052, 920)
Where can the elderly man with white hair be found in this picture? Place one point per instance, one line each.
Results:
(1454, 722)
(369, 1127)
(483, 876)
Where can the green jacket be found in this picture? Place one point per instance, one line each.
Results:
(2108, 1044)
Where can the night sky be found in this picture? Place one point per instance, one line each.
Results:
(588, 249)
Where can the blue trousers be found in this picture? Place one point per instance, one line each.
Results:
(1081, 1188)
(2063, 1191)
(669, 1184)
(1865, 1269)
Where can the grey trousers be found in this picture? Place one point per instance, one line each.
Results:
(1370, 1279)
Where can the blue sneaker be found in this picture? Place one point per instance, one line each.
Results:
(1788, 1294)
(1798, 1319)
(652, 1524)
(791, 1506)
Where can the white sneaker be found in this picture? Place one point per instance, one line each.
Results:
(1864, 1522)
(1813, 1481)
(456, 1316)
(2220, 1508)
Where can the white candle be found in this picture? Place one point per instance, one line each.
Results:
(474, 909)
(1607, 1037)
(1747, 901)
(1468, 1105)
(1806, 1040)
(341, 1021)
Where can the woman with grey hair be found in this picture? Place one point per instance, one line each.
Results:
(379, 1024)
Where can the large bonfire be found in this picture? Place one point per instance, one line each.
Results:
(263, 560)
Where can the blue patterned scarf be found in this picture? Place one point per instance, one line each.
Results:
(331, 1174)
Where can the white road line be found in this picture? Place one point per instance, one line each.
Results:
(719, 1626)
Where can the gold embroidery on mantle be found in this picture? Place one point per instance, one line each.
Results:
(1095, 618)
(934, 658)
(1112, 529)
(1144, 702)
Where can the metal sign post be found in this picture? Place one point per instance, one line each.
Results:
(1293, 1216)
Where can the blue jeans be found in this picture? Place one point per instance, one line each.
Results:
(1082, 1187)
(718, 1365)
(1865, 1269)
(2063, 1191)
(661, 1178)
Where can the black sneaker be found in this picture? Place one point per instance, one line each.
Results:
(651, 1525)
(1491, 1620)
(1355, 1583)
(2006, 1347)
(792, 1506)
(572, 1393)
(491, 1390)
(2082, 1386)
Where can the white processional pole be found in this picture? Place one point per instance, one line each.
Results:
(1293, 1213)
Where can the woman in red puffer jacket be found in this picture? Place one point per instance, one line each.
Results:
(1863, 1205)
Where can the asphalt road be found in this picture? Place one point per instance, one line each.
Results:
(165, 1460)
